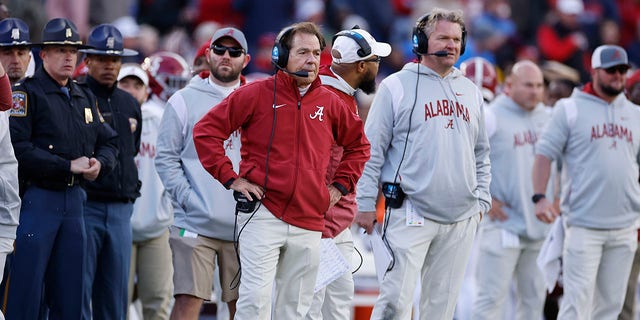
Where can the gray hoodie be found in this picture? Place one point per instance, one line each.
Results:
(513, 133)
(599, 144)
(201, 204)
(9, 197)
(445, 171)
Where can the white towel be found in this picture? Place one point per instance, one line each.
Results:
(550, 254)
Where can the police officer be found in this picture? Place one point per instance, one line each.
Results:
(60, 142)
(15, 48)
(110, 198)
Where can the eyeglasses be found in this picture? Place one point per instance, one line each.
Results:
(622, 69)
(375, 59)
(233, 52)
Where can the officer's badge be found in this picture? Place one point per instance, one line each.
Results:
(134, 124)
(19, 106)
(88, 115)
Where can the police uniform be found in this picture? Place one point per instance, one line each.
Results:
(110, 198)
(49, 129)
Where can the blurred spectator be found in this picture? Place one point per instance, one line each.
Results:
(494, 32)
(130, 30)
(164, 15)
(261, 58)
(219, 11)
(527, 16)
(203, 32)
(560, 80)
(263, 17)
(106, 11)
(200, 60)
(560, 38)
(629, 17)
(151, 271)
(595, 12)
(148, 40)
(633, 49)
(75, 10)
(609, 32)
(633, 87)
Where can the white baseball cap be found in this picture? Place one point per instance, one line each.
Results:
(133, 70)
(570, 6)
(345, 48)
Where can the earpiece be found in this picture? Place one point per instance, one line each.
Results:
(280, 52)
(365, 48)
(420, 40)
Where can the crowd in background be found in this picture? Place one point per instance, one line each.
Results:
(557, 35)
(502, 31)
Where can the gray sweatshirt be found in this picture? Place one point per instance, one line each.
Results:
(513, 133)
(201, 204)
(9, 197)
(445, 171)
(152, 212)
(599, 144)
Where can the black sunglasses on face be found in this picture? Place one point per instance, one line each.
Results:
(233, 51)
(621, 69)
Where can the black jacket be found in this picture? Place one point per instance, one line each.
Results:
(122, 112)
(48, 130)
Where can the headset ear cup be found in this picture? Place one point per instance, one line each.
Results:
(419, 38)
(283, 56)
(280, 53)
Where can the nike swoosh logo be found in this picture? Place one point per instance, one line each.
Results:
(278, 106)
(459, 94)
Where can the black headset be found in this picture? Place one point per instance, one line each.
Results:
(420, 40)
(280, 52)
(365, 48)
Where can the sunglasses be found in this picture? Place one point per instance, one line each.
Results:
(620, 69)
(376, 60)
(233, 52)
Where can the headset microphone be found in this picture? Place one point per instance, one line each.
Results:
(441, 53)
(302, 74)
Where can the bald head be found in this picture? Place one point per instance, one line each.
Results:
(525, 85)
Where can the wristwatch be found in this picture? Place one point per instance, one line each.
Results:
(537, 197)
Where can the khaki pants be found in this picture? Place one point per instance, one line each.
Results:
(151, 265)
(271, 249)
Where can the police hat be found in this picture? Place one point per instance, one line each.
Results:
(107, 40)
(14, 32)
(62, 32)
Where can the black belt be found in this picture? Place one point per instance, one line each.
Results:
(58, 184)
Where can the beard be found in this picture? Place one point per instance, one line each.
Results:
(610, 91)
(368, 85)
(225, 77)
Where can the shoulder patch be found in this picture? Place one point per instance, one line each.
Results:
(19, 106)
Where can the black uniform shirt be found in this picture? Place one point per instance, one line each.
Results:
(122, 112)
(49, 129)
